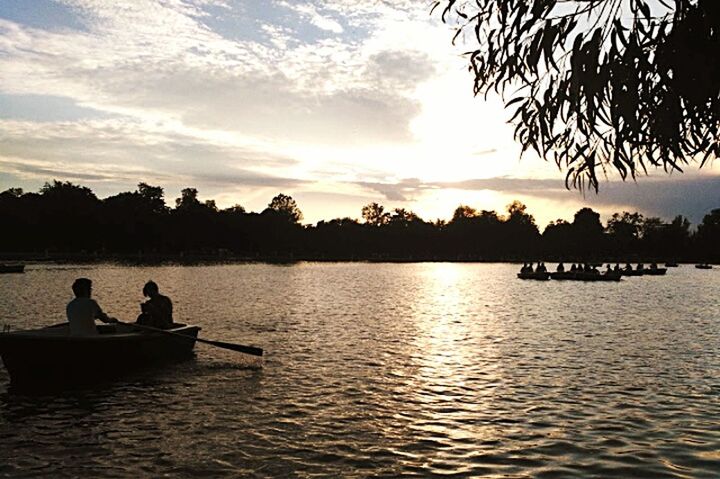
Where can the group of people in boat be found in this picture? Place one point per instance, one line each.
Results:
(82, 311)
(528, 268)
(584, 268)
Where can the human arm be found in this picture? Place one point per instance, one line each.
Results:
(102, 316)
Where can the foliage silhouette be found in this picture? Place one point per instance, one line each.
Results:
(600, 84)
(65, 220)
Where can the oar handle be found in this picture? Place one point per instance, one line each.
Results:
(219, 344)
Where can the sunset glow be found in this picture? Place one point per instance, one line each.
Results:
(337, 103)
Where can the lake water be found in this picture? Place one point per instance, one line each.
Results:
(385, 370)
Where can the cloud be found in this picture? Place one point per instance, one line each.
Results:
(157, 60)
(122, 151)
(692, 195)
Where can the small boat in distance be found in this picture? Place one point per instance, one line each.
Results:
(12, 268)
(586, 276)
(703, 266)
(538, 275)
(653, 270)
(671, 265)
(50, 356)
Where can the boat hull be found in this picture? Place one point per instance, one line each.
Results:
(50, 356)
(12, 268)
(632, 272)
(582, 276)
(655, 271)
(539, 276)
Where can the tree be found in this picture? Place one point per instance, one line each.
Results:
(624, 230)
(153, 197)
(13, 192)
(286, 207)
(464, 212)
(188, 199)
(600, 84)
(626, 225)
(403, 217)
(374, 214)
(517, 214)
(708, 235)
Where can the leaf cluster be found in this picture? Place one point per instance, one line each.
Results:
(600, 85)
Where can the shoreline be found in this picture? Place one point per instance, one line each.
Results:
(227, 258)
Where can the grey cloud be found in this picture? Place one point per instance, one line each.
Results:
(270, 106)
(401, 68)
(125, 154)
(404, 190)
(115, 175)
(691, 196)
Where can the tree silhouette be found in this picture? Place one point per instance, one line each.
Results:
(286, 207)
(709, 236)
(599, 84)
(188, 199)
(464, 211)
(374, 214)
(68, 220)
(624, 230)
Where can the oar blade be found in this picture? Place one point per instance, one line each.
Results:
(235, 347)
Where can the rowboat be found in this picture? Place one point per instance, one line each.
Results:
(632, 272)
(12, 268)
(584, 276)
(51, 356)
(654, 271)
(703, 266)
(537, 275)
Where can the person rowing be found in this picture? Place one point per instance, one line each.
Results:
(83, 310)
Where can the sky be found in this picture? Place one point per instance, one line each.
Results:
(337, 103)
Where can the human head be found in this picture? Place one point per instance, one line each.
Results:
(82, 287)
(150, 289)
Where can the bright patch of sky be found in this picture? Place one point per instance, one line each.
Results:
(336, 102)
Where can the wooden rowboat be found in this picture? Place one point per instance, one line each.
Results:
(51, 356)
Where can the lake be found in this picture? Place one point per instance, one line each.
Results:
(384, 370)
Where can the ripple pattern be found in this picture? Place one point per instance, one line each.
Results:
(385, 370)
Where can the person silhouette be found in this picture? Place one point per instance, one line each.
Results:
(156, 311)
(82, 311)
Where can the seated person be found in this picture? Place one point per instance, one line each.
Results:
(156, 311)
(83, 310)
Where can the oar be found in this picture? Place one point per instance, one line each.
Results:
(220, 344)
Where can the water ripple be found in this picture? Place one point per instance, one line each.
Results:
(377, 370)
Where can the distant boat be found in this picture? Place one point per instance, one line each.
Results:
(632, 272)
(584, 276)
(703, 266)
(537, 275)
(655, 271)
(671, 265)
(52, 357)
(12, 268)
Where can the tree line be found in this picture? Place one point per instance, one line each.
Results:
(68, 219)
